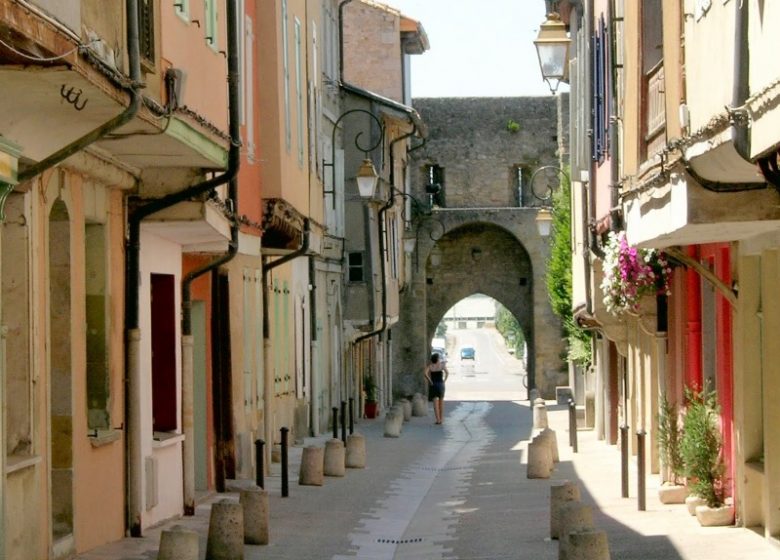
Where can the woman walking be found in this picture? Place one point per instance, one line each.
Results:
(436, 374)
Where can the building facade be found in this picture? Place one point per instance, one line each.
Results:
(694, 177)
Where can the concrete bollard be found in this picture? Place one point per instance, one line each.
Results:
(255, 504)
(406, 404)
(335, 463)
(548, 435)
(589, 544)
(575, 516)
(559, 495)
(539, 459)
(226, 531)
(356, 452)
(540, 415)
(393, 421)
(312, 464)
(419, 405)
(178, 543)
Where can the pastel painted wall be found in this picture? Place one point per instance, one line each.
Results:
(159, 256)
(184, 46)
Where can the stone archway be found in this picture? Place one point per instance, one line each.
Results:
(476, 256)
(480, 258)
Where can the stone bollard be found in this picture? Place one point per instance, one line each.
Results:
(559, 495)
(312, 464)
(356, 452)
(539, 459)
(540, 415)
(548, 435)
(255, 504)
(588, 544)
(407, 409)
(575, 516)
(393, 421)
(178, 543)
(419, 405)
(334, 458)
(226, 531)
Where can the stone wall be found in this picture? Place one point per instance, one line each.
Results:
(471, 139)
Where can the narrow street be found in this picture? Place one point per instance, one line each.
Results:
(459, 491)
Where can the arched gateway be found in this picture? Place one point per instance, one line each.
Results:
(481, 234)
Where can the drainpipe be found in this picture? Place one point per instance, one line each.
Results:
(314, 398)
(133, 382)
(380, 221)
(268, 382)
(188, 420)
(134, 63)
(739, 131)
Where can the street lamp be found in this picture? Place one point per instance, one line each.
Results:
(544, 216)
(552, 47)
(367, 177)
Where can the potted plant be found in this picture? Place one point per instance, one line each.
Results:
(370, 391)
(701, 447)
(673, 490)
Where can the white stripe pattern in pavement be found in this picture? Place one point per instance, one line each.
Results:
(420, 510)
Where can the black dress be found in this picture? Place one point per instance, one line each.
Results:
(437, 385)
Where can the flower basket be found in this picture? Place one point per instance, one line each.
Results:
(631, 273)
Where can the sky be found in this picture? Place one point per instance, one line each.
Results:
(479, 48)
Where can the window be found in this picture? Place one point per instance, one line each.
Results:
(146, 31)
(355, 264)
(211, 23)
(600, 95)
(286, 79)
(331, 46)
(299, 89)
(247, 89)
(653, 82)
(163, 339)
(315, 108)
(434, 184)
(520, 182)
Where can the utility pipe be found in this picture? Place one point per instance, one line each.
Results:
(132, 264)
(234, 162)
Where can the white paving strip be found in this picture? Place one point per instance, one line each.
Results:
(418, 515)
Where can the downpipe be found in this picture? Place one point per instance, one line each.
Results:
(234, 162)
(132, 265)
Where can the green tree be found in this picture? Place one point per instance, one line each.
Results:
(559, 275)
(510, 329)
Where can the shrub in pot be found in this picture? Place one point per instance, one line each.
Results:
(370, 390)
(668, 436)
(701, 446)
